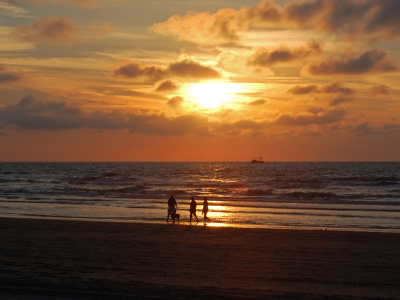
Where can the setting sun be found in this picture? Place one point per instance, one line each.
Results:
(213, 94)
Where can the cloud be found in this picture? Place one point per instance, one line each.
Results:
(340, 100)
(7, 76)
(323, 118)
(60, 30)
(371, 19)
(185, 69)
(366, 128)
(233, 62)
(57, 30)
(192, 69)
(8, 9)
(175, 103)
(284, 54)
(204, 27)
(135, 70)
(352, 18)
(336, 87)
(379, 90)
(316, 110)
(80, 3)
(371, 61)
(131, 93)
(257, 102)
(265, 12)
(224, 26)
(33, 114)
(167, 86)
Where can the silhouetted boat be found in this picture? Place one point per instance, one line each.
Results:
(258, 160)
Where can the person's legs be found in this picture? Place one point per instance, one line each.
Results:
(169, 212)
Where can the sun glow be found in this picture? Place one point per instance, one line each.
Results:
(213, 94)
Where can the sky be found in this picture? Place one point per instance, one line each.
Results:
(188, 80)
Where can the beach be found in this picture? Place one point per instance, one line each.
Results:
(48, 259)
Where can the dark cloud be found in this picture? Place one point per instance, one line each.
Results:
(333, 88)
(7, 75)
(304, 89)
(185, 69)
(265, 12)
(336, 87)
(366, 128)
(316, 110)
(371, 61)
(352, 18)
(257, 102)
(175, 103)
(192, 69)
(135, 70)
(371, 19)
(340, 100)
(167, 86)
(263, 57)
(380, 90)
(33, 114)
(328, 117)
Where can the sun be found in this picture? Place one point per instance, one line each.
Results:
(213, 94)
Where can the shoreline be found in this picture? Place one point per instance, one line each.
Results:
(85, 260)
(185, 222)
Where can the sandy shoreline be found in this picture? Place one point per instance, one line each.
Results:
(45, 259)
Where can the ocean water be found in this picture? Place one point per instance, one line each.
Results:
(339, 196)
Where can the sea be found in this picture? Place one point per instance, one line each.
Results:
(355, 196)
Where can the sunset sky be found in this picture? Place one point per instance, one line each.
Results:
(189, 80)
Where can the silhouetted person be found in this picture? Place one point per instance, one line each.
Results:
(192, 210)
(172, 206)
(205, 208)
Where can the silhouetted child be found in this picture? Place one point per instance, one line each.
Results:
(192, 210)
(205, 208)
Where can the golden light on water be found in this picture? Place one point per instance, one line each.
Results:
(213, 94)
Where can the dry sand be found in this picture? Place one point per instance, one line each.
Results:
(53, 259)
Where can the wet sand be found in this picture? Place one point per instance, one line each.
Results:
(53, 259)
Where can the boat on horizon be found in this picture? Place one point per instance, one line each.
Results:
(258, 160)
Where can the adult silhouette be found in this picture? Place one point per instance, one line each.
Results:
(172, 206)
(192, 210)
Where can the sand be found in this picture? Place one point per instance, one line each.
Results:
(58, 259)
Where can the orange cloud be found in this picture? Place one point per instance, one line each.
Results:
(370, 61)
(204, 28)
(167, 86)
(284, 54)
(236, 63)
(265, 12)
(257, 102)
(175, 103)
(185, 69)
(60, 30)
